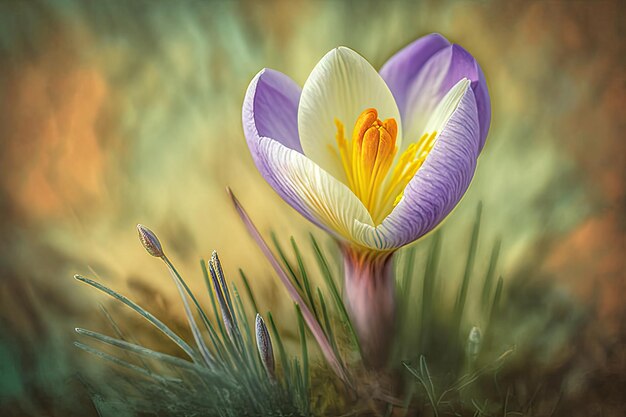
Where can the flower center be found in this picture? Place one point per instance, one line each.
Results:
(367, 159)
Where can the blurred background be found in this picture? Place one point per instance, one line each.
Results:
(116, 113)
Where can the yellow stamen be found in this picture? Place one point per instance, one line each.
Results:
(367, 160)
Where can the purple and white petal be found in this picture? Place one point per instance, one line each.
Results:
(463, 65)
(309, 189)
(271, 109)
(439, 184)
(433, 79)
(400, 71)
(317, 195)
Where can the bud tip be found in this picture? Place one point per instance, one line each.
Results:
(149, 241)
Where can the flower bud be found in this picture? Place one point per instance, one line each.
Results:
(264, 344)
(150, 241)
(473, 343)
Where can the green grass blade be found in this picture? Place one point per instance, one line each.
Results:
(249, 344)
(197, 335)
(305, 355)
(330, 282)
(285, 261)
(249, 290)
(145, 314)
(329, 329)
(407, 280)
(119, 333)
(140, 350)
(428, 290)
(120, 362)
(426, 375)
(284, 360)
(491, 271)
(469, 266)
(496, 300)
(312, 323)
(305, 278)
(426, 385)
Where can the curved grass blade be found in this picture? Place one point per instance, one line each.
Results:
(145, 314)
(469, 266)
(140, 350)
(284, 361)
(327, 325)
(204, 350)
(283, 258)
(248, 290)
(305, 278)
(122, 363)
(491, 270)
(428, 290)
(330, 282)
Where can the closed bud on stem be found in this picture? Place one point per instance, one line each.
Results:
(150, 241)
(264, 344)
(473, 344)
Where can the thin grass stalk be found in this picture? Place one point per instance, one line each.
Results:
(197, 335)
(248, 290)
(337, 298)
(142, 351)
(119, 333)
(217, 343)
(409, 265)
(249, 343)
(229, 349)
(327, 324)
(428, 290)
(305, 357)
(285, 261)
(305, 278)
(496, 300)
(491, 271)
(423, 377)
(469, 265)
(120, 362)
(284, 361)
(145, 314)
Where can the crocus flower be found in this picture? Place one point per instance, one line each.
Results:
(377, 159)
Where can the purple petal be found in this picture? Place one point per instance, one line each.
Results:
(440, 183)
(269, 118)
(271, 108)
(270, 113)
(463, 65)
(400, 71)
(423, 72)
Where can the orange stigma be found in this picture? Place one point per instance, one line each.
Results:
(367, 159)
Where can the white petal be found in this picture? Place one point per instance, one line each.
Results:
(312, 191)
(341, 86)
(446, 107)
